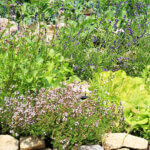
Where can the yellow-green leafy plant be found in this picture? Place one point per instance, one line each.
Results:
(133, 93)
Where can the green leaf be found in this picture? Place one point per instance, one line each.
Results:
(51, 53)
(50, 66)
(29, 80)
(39, 60)
(140, 122)
(35, 72)
(49, 79)
(73, 78)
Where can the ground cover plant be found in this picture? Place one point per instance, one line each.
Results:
(67, 120)
(103, 42)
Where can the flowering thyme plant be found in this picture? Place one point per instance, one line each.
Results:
(60, 116)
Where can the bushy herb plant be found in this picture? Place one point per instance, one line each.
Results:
(113, 38)
(60, 116)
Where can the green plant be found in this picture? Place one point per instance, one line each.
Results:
(146, 76)
(132, 92)
(60, 116)
(29, 64)
(3, 10)
(72, 45)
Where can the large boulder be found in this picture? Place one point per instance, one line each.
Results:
(121, 140)
(8, 142)
(30, 143)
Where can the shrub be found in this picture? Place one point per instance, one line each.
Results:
(60, 116)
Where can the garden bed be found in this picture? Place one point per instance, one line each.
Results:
(72, 71)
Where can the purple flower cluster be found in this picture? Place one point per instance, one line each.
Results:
(122, 62)
(56, 108)
(130, 31)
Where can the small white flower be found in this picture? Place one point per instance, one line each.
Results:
(64, 119)
(119, 30)
(76, 123)
(11, 131)
(16, 134)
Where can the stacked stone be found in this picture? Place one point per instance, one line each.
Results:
(111, 141)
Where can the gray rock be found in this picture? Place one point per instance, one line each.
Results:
(120, 140)
(90, 147)
(83, 87)
(8, 142)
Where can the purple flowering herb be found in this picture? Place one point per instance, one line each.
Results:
(36, 16)
(78, 34)
(17, 2)
(82, 70)
(95, 40)
(135, 40)
(42, 16)
(22, 17)
(130, 31)
(76, 19)
(75, 68)
(116, 69)
(104, 69)
(115, 24)
(64, 46)
(115, 43)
